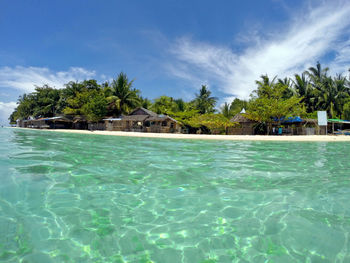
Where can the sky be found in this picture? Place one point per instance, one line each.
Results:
(169, 47)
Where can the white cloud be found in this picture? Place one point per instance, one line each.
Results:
(25, 78)
(308, 37)
(6, 108)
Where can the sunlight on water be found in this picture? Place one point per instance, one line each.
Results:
(90, 198)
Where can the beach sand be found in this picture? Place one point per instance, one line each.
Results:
(300, 138)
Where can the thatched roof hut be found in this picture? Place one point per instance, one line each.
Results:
(240, 119)
(246, 125)
(143, 120)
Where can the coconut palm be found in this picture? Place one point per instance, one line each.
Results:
(264, 86)
(303, 88)
(317, 73)
(320, 83)
(203, 102)
(124, 98)
(289, 92)
(225, 110)
(331, 95)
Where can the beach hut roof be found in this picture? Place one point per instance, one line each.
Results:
(79, 118)
(143, 111)
(112, 119)
(135, 117)
(338, 121)
(161, 118)
(240, 118)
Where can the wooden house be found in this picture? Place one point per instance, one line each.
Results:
(143, 120)
(245, 125)
(58, 122)
(79, 123)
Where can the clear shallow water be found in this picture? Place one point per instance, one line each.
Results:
(90, 198)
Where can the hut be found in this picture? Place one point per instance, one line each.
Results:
(20, 123)
(143, 120)
(162, 124)
(245, 125)
(59, 122)
(295, 126)
(80, 123)
(338, 126)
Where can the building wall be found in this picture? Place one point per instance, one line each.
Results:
(246, 128)
(155, 127)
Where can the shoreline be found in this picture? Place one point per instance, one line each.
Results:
(295, 138)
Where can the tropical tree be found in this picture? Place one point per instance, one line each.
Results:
(203, 102)
(317, 73)
(124, 98)
(211, 123)
(331, 95)
(46, 101)
(72, 89)
(90, 103)
(180, 105)
(145, 103)
(237, 105)
(268, 103)
(265, 81)
(163, 105)
(346, 110)
(225, 110)
(303, 89)
(96, 106)
(231, 109)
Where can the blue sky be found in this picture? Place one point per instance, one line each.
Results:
(169, 47)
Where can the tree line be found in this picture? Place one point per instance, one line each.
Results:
(303, 96)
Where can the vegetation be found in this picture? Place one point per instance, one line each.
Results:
(272, 100)
(306, 93)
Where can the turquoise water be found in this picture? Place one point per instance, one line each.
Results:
(90, 198)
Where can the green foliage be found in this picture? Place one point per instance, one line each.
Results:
(268, 102)
(95, 107)
(184, 117)
(90, 103)
(124, 98)
(168, 105)
(163, 105)
(145, 103)
(231, 109)
(203, 102)
(304, 95)
(46, 101)
(346, 110)
(215, 123)
(25, 108)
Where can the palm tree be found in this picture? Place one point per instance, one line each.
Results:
(204, 103)
(265, 80)
(145, 103)
(124, 98)
(163, 105)
(225, 110)
(332, 95)
(264, 86)
(289, 92)
(303, 88)
(316, 74)
(320, 83)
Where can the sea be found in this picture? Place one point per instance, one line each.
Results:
(93, 198)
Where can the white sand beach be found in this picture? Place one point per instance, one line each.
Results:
(310, 138)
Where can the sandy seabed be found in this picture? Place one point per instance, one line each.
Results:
(296, 138)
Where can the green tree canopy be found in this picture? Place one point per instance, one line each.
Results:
(124, 98)
(203, 102)
(268, 102)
